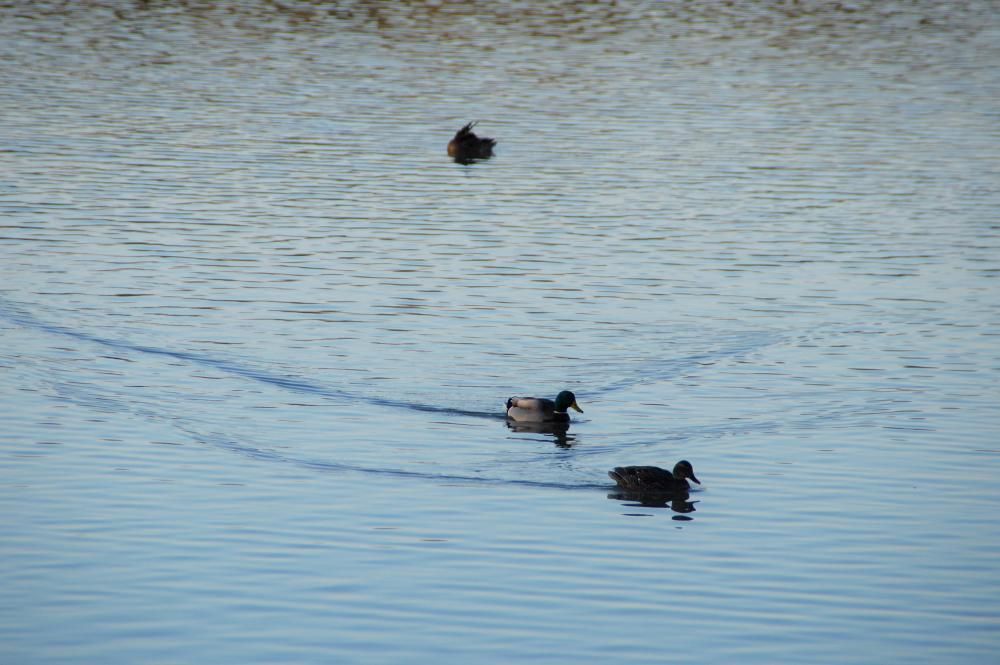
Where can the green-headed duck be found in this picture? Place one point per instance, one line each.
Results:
(539, 410)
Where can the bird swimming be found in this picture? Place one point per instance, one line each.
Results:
(538, 409)
(653, 479)
(466, 146)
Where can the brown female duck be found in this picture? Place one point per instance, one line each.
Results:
(653, 479)
(466, 146)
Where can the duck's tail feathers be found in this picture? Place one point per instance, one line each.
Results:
(465, 131)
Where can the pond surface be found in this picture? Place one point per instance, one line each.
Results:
(258, 331)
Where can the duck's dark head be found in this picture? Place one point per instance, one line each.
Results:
(567, 400)
(683, 469)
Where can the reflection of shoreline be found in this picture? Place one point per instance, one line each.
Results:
(833, 30)
(559, 431)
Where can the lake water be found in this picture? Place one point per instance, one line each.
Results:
(258, 330)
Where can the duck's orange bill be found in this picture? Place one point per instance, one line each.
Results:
(574, 406)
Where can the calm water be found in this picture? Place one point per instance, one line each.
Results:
(257, 332)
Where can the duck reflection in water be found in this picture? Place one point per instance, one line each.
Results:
(466, 147)
(655, 487)
(558, 430)
(677, 503)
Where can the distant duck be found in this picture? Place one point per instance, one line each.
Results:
(540, 410)
(466, 146)
(653, 479)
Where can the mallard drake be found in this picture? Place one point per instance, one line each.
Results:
(653, 479)
(467, 146)
(539, 410)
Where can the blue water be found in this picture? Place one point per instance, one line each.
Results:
(258, 331)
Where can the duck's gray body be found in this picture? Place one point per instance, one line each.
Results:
(534, 410)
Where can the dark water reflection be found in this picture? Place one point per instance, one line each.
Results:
(258, 330)
(559, 431)
(678, 503)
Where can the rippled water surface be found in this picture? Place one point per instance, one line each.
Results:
(258, 331)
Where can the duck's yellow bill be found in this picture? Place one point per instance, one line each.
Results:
(574, 406)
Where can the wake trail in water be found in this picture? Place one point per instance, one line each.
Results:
(17, 316)
(21, 318)
(652, 372)
(647, 373)
(227, 443)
